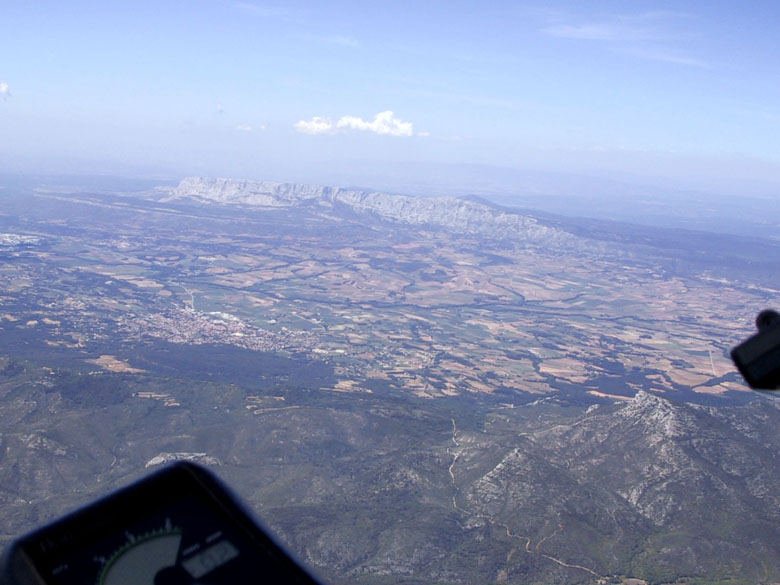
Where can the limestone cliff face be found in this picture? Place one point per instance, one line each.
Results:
(443, 212)
(241, 192)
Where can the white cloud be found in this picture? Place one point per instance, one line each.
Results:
(384, 123)
(316, 125)
(4, 91)
(220, 109)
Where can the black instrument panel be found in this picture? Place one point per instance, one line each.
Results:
(179, 526)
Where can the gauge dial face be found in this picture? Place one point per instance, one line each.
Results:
(186, 543)
(142, 559)
(171, 529)
(170, 555)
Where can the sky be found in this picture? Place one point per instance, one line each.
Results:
(682, 93)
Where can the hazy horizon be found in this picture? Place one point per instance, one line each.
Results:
(680, 96)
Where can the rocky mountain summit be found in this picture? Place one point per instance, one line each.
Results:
(668, 486)
(460, 215)
(648, 488)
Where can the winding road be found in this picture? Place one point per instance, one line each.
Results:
(453, 451)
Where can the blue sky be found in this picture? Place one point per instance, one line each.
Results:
(680, 90)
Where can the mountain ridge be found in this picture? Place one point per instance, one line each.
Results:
(458, 214)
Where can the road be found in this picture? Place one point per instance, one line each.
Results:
(453, 451)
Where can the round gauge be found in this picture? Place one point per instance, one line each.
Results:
(180, 526)
(143, 560)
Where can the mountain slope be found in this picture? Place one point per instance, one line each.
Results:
(455, 214)
(654, 488)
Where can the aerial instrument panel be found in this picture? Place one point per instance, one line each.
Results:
(179, 526)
